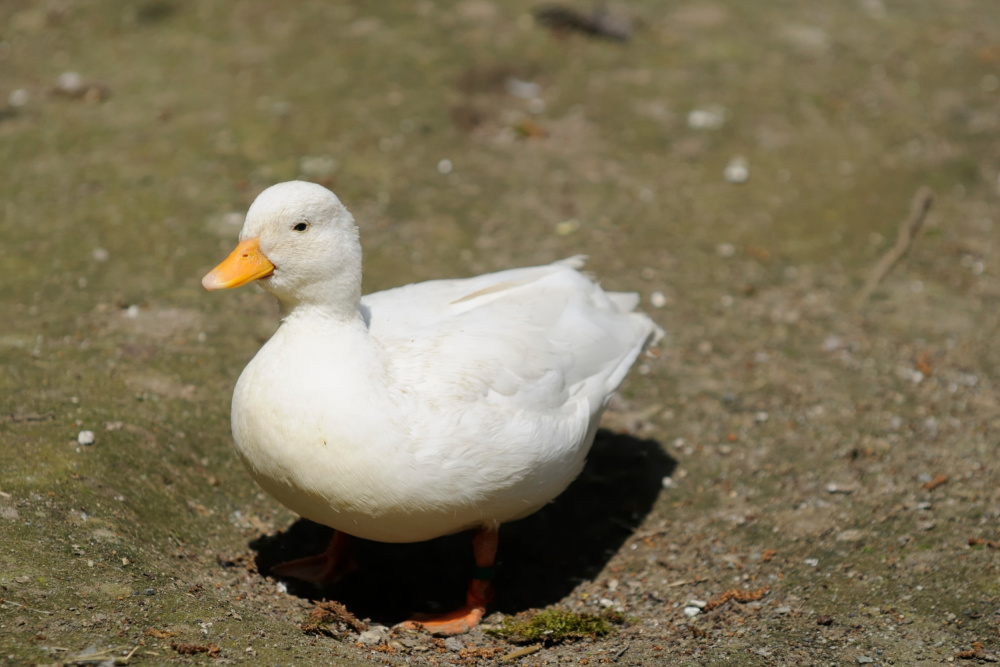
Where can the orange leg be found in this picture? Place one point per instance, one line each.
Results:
(322, 569)
(480, 593)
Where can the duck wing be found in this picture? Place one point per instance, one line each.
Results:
(530, 338)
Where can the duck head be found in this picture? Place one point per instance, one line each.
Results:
(301, 245)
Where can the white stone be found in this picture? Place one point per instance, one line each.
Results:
(70, 82)
(526, 90)
(707, 118)
(737, 171)
(18, 98)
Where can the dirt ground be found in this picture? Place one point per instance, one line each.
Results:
(742, 165)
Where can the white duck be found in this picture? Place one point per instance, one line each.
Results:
(423, 410)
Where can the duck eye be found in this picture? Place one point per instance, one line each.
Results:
(301, 227)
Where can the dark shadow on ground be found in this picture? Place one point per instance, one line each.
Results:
(540, 560)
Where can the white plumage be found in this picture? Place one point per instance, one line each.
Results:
(426, 409)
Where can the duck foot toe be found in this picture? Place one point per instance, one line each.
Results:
(456, 622)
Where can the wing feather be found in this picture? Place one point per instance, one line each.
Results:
(535, 337)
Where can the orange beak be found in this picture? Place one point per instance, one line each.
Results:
(245, 264)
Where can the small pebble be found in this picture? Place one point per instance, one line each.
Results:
(70, 82)
(737, 171)
(455, 644)
(567, 227)
(811, 562)
(372, 636)
(864, 660)
(280, 108)
(657, 300)
(700, 604)
(132, 312)
(783, 610)
(606, 602)
(100, 255)
(725, 250)
(711, 117)
(761, 417)
(667, 482)
(445, 167)
(691, 612)
(831, 343)
(86, 438)
(526, 90)
(18, 98)
(318, 166)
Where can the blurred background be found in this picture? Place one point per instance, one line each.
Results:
(743, 166)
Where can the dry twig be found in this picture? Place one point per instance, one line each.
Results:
(908, 231)
(325, 612)
(685, 582)
(32, 417)
(735, 594)
(977, 541)
(977, 653)
(191, 649)
(935, 483)
(521, 652)
(18, 604)
(101, 657)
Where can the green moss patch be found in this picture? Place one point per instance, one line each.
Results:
(556, 626)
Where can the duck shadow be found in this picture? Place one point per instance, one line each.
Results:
(540, 559)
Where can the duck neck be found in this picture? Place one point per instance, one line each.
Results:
(339, 312)
(337, 297)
